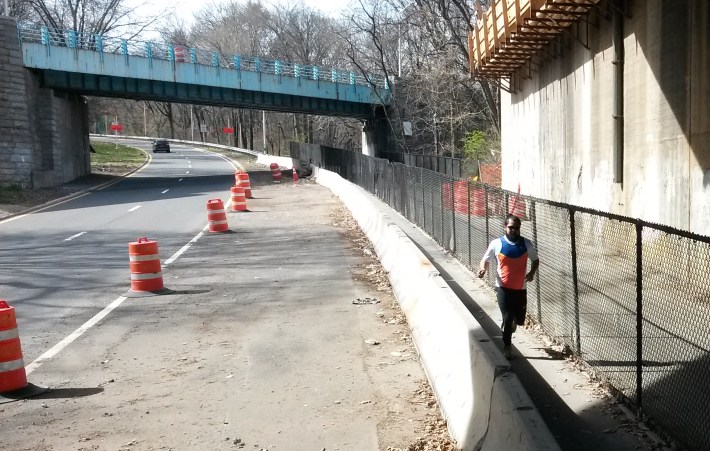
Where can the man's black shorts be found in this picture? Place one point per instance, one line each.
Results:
(513, 302)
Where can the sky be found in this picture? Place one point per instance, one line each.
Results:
(186, 9)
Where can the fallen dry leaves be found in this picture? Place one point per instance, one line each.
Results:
(435, 435)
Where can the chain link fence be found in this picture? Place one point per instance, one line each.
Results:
(631, 298)
(446, 165)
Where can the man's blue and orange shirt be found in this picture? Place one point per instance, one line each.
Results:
(512, 261)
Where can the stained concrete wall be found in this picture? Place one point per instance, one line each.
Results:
(557, 128)
(44, 134)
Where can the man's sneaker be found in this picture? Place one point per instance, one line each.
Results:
(507, 352)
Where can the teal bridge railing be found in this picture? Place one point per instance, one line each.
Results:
(110, 66)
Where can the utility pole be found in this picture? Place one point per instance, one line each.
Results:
(145, 124)
(263, 126)
(192, 124)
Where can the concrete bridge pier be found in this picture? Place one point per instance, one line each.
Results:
(375, 134)
(44, 134)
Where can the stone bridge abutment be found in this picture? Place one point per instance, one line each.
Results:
(44, 135)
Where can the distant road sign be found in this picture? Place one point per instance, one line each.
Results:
(228, 129)
(117, 127)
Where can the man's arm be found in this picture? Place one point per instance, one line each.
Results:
(533, 269)
(482, 268)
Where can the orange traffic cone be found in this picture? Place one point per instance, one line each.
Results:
(275, 172)
(13, 375)
(146, 274)
(216, 216)
(239, 201)
(295, 176)
(12, 367)
(242, 179)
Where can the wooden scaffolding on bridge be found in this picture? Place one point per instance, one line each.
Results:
(506, 39)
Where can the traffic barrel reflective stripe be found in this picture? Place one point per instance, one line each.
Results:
(216, 216)
(143, 258)
(146, 276)
(146, 273)
(239, 201)
(275, 172)
(9, 334)
(242, 179)
(12, 366)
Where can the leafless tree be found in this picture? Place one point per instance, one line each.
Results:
(421, 46)
(91, 17)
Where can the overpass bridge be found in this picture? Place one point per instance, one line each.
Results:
(44, 120)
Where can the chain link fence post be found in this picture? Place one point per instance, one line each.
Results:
(639, 316)
(575, 282)
(468, 210)
(453, 216)
(533, 213)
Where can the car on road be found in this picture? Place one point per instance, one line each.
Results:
(161, 145)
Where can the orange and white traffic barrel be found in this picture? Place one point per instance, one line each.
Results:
(146, 274)
(12, 367)
(243, 181)
(239, 200)
(216, 216)
(275, 172)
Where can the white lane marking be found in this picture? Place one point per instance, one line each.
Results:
(187, 172)
(189, 162)
(185, 247)
(235, 164)
(56, 349)
(135, 208)
(180, 180)
(75, 236)
(189, 166)
(163, 192)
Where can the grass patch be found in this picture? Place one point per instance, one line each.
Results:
(110, 159)
(109, 153)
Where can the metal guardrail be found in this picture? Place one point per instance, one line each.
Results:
(29, 32)
(253, 153)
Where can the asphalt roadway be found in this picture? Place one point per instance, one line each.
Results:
(258, 344)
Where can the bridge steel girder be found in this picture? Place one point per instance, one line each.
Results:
(113, 75)
(139, 89)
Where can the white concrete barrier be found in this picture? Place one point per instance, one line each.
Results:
(483, 402)
(284, 162)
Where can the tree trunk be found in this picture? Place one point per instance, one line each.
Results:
(171, 120)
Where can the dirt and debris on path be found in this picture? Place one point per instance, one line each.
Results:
(433, 435)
